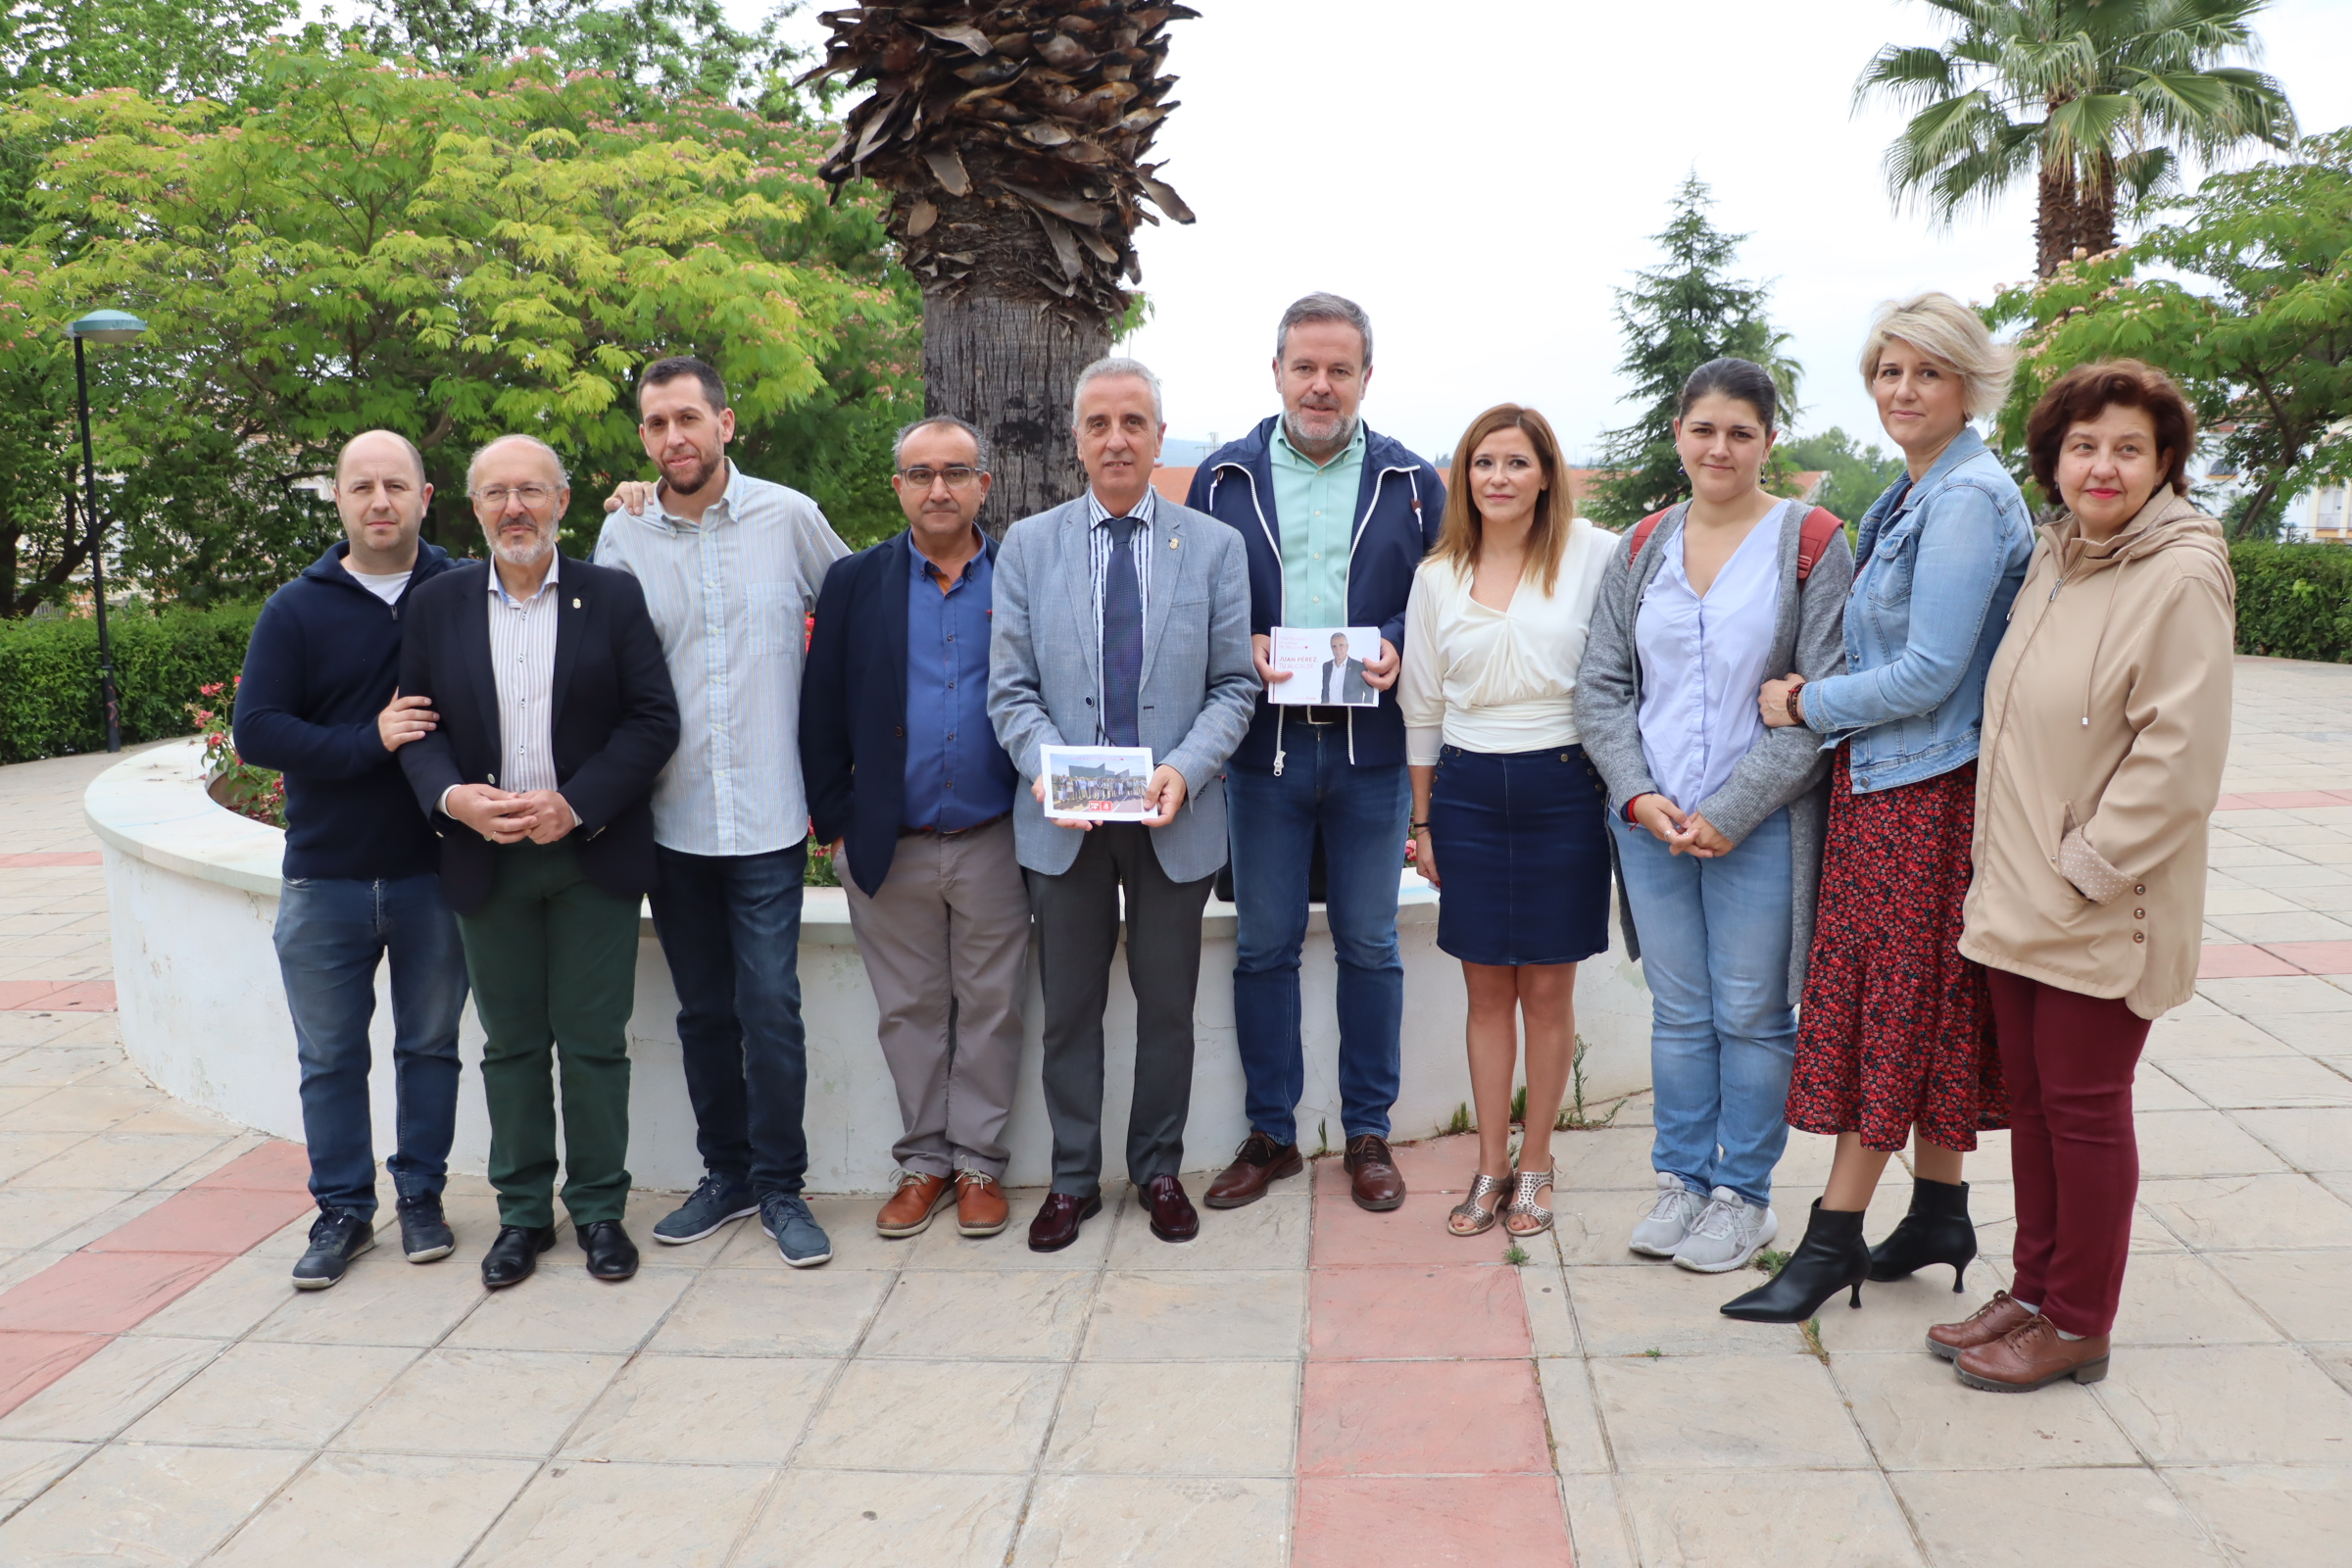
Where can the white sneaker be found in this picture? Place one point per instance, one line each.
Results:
(1669, 1219)
(1727, 1234)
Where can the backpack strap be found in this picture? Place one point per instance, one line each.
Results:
(1821, 525)
(1642, 530)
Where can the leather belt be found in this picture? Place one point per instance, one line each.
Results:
(953, 832)
(1322, 713)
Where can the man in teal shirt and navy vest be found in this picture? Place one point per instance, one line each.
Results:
(1336, 518)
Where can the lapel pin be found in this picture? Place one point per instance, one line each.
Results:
(1173, 543)
(575, 603)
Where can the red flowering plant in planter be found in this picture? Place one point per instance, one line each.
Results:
(249, 791)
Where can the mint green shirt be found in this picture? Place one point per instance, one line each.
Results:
(1314, 516)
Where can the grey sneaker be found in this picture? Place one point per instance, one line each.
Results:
(335, 1240)
(716, 1200)
(1669, 1219)
(1727, 1234)
(797, 1234)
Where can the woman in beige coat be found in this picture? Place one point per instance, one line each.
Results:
(2106, 725)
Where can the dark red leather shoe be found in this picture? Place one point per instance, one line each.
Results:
(1373, 1179)
(1172, 1215)
(1257, 1164)
(1058, 1218)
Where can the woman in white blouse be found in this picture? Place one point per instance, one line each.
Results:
(1507, 815)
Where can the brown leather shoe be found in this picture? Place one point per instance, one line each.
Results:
(2030, 1357)
(1256, 1165)
(1989, 1322)
(980, 1206)
(1058, 1218)
(1373, 1179)
(910, 1209)
(1172, 1216)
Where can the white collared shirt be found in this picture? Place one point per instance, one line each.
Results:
(522, 660)
(730, 598)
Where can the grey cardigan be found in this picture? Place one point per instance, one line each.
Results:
(1787, 768)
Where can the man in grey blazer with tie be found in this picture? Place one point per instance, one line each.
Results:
(1121, 620)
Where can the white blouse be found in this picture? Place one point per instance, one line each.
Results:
(1498, 681)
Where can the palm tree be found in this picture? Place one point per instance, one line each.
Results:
(1012, 139)
(2098, 100)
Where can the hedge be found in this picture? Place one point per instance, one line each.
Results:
(49, 701)
(2294, 600)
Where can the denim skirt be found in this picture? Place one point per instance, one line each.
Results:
(1522, 844)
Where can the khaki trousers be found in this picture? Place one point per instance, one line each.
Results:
(946, 945)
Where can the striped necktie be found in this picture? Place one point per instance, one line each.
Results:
(1122, 636)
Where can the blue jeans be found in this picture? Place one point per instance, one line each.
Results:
(1723, 1036)
(1362, 813)
(730, 927)
(332, 933)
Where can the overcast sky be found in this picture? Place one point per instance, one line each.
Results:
(1480, 174)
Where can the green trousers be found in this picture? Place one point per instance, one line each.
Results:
(553, 958)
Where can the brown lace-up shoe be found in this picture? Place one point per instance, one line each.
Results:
(910, 1209)
(1986, 1324)
(2030, 1355)
(1256, 1165)
(980, 1205)
(1373, 1179)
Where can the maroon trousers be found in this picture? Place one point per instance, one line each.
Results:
(2069, 1059)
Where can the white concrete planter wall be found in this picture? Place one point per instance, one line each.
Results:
(193, 894)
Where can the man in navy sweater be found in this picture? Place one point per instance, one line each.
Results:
(1336, 518)
(362, 869)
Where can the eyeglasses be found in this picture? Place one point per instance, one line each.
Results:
(533, 495)
(958, 476)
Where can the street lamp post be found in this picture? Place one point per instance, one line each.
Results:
(100, 326)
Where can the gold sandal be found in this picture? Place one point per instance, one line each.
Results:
(1525, 1185)
(1481, 1217)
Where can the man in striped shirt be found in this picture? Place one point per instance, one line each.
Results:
(730, 565)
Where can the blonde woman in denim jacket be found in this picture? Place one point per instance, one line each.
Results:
(1895, 1041)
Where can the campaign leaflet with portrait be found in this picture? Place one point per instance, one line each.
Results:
(1096, 783)
(1326, 665)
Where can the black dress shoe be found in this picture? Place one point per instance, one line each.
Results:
(424, 1232)
(1936, 1231)
(611, 1255)
(1172, 1216)
(515, 1253)
(1058, 1218)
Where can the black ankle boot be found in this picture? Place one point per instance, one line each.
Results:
(1936, 1231)
(1831, 1258)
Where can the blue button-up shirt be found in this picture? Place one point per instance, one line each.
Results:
(957, 774)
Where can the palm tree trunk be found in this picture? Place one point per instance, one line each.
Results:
(2076, 217)
(1011, 366)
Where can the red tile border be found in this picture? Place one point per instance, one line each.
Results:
(2314, 958)
(11, 862)
(53, 1321)
(1346, 1234)
(1431, 1522)
(1422, 1418)
(57, 996)
(2239, 961)
(2282, 800)
(1383, 1313)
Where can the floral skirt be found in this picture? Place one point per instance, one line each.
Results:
(1896, 1027)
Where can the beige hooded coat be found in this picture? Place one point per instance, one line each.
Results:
(2106, 725)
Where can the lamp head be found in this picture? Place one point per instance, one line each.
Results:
(107, 326)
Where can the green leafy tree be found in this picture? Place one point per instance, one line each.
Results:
(371, 245)
(2250, 311)
(2095, 101)
(160, 48)
(676, 47)
(1677, 316)
(1854, 474)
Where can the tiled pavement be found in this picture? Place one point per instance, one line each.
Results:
(1306, 1384)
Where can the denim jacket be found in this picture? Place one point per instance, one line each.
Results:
(1938, 564)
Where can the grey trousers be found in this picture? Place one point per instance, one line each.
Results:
(946, 945)
(1078, 935)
